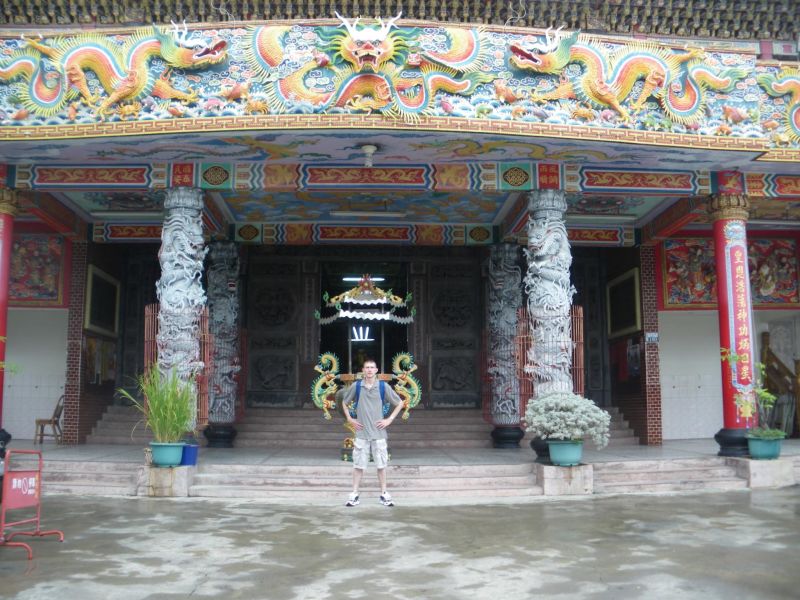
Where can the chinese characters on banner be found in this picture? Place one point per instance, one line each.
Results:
(741, 316)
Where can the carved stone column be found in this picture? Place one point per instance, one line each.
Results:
(505, 299)
(550, 292)
(730, 212)
(223, 316)
(8, 210)
(180, 293)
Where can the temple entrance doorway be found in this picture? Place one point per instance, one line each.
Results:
(354, 340)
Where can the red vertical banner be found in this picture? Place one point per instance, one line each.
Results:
(735, 319)
(6, 231)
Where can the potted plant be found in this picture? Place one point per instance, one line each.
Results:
(168, 412)
(564, 420)
(756, 401)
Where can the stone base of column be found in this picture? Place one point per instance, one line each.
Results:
(732, 442)
(542, 450)
(220, 436)
(507, 437)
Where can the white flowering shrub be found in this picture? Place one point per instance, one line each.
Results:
(567, 416)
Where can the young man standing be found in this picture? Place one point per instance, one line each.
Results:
(370, 426)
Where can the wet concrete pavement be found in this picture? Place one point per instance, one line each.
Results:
(741, 544)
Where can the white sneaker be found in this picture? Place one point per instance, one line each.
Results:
(386, 499)
(353, 500)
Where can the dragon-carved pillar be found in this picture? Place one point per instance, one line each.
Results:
(179, 290)
(550, 292)
(223, 316)
(505, 299)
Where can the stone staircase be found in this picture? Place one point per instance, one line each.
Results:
(277, 428)
(306, 428)
(90, 478)
(333, 483)
(677, 475)
(120, 425)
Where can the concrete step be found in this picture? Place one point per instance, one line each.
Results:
(318, 482)
(88, 489)
(245, 442)
(340, 469)
(369, 494)
(670, 486)
(666, 476)
(90, 478)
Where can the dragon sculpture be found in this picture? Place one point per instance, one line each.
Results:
(407, 386)
(678, 81)
(372, 68)
(787, 81)
(324, 387)
(54, 72)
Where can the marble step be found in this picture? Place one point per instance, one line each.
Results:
(341, 468)
(678, 485)
(88, 489)
(369, 494)
(344, 480)
(688, 474)
(91, 478)
(246, 442)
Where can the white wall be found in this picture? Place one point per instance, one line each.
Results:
(36, 346)
(691, 374)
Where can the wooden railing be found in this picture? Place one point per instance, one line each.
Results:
(522, 342)
(206, 355)
(781, 381)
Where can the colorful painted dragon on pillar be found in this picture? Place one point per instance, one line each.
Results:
(54, 72)
(677, 80)
(372, 68)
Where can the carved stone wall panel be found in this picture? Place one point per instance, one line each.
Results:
(140, 289)
(453, 307)
(276, 337)
(454, 324)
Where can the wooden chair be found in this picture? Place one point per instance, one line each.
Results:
(54, 422)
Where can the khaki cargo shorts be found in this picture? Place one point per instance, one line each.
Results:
(362, 450)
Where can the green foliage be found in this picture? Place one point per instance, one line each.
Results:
(169, 411)
(766, 433)
(567, 416)
(755, 401)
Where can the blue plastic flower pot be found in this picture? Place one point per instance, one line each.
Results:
(190, 452)
(764, 449)
(565, 453)
(167, 455)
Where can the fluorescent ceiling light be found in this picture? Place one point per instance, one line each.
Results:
(359, 279)
(376, 214)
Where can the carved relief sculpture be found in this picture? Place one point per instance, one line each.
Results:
(505, 299)
(223, 312)
(550, 292)
(180, 293)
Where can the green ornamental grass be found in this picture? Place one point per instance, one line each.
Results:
(169, 411)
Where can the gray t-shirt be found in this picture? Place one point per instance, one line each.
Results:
(370, 408)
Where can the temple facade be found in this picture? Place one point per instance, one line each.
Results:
(599, 207)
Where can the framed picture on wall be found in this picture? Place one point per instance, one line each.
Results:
(623, 304)
(101, 313)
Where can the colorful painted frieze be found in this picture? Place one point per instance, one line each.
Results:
(688, 273)
(470, 78)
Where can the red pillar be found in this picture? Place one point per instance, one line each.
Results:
(8, 208)
(730, 212)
